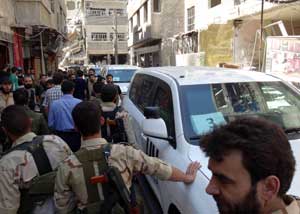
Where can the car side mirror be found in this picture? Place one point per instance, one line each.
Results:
(154, 126)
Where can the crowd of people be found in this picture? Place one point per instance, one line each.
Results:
(67, 147)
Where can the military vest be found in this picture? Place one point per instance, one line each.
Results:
(106, 189)
(41, 187)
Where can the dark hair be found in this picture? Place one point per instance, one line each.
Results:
(264, 146)
(49, 81)
(86, 116)
(13, 70)
(15, 120)
(91, 69)
(21, 96)
(80, 73)
(108, 93)
(109, 75)
(6, 80)
(58, 78)
(28, 76)
(97, 87)
(67, 86)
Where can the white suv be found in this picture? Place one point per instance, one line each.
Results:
(191, 101)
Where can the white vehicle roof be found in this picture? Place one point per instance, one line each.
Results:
(120, 67)
(208, 75)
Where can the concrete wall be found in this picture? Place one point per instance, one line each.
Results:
(105, 24)
(171, 25)
(216, 43)
(33, 13)
(7, 15)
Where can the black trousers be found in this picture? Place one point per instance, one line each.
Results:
(72, 138)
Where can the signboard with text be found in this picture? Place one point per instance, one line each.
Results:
(283, 57)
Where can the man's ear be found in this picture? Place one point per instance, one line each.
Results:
(269, 188)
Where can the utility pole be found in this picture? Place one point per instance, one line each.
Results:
(115, 28)
(42, 54)
(261, 52)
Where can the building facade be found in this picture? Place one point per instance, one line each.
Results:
(152, 26)
(229, 31)
(105, 27)
(7, 19)
(74, 49)
(34, 33)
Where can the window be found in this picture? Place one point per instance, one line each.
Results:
(96, 12)
(70, 5)
(111, 12)
(78, 5)
(156, 6)
(138, 18)
(99, 36)
(145, 12)
(163, 99)
(191, 18)
(121, 36)
(213, 3)
(142, 90)
(120, 12)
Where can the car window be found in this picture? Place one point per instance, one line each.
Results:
(163, 99)
(205, 106)
(142, 90)
(121, 75)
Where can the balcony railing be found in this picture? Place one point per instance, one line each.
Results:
(106, 46)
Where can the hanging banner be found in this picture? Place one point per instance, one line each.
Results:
(18, 50)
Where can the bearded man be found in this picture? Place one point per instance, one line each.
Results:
(252, 167)
(6, 95)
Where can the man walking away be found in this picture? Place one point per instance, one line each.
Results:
(97, 88)
(80, 86)
(91, 188)
(117, 127)
(60, 116)
(39, 125)
(31, 158)
(252, 166)
(55, 92)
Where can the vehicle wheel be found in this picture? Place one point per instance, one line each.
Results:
(173, 210)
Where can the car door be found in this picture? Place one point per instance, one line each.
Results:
(163, 149)
(140, 95)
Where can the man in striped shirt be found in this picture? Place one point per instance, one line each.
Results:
(54, 93)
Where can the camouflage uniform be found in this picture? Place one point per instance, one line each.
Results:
(293, 206)
(70, 189)
(39, 124)
(17, 169)
(110, 106)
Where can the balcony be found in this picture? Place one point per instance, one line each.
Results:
(106, 47)
(105, 20)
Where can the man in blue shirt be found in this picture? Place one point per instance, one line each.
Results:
(60, 116)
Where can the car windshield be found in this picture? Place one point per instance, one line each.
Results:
(121, 75)
(207, 106)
